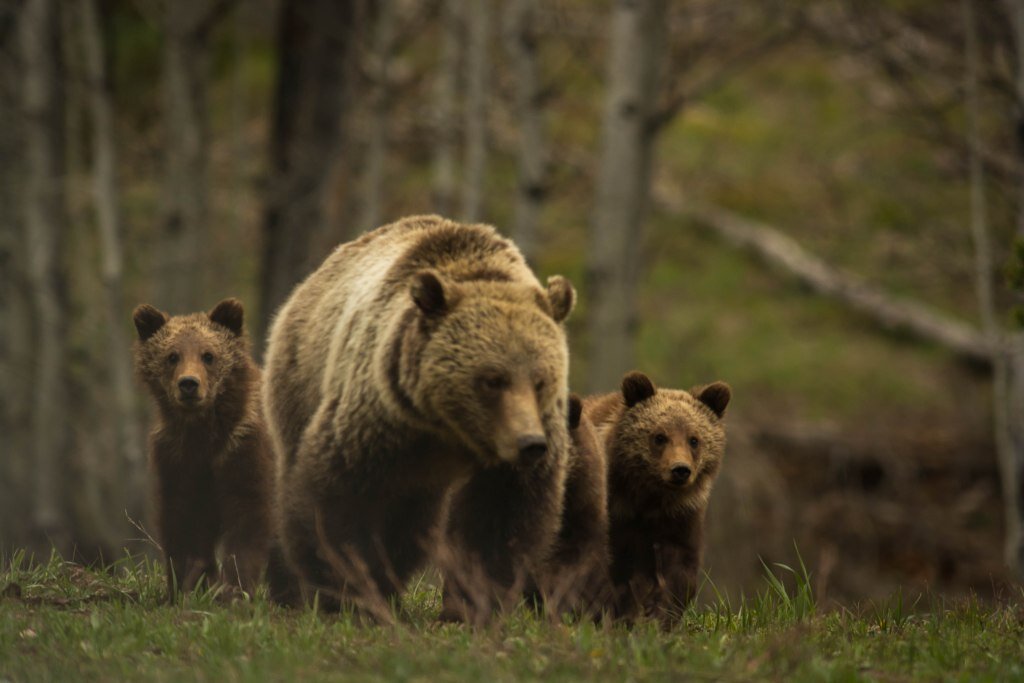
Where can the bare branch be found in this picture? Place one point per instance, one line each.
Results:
(890, 312)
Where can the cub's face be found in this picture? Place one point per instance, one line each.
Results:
(185, 360)
(671, 442)
(494, 371)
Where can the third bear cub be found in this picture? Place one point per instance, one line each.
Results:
(210, 453)
(664, 450)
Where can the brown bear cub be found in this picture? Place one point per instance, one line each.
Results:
(664, 449)
(210, 454)
(575, 577)
(416, 393)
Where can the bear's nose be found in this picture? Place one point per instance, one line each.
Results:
(532, 447)
(188, 386)
(680, 474)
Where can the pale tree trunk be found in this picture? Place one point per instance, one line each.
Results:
(1015, 9)
(314, 52)
(522, 44)
(446, 88)
(380, 106)
(636, 58)
(474, 165)
(125, 472)
(1009, 378)
(181, 271)
(44, 221)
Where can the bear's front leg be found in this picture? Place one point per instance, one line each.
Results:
(677, 580)
(188, 528)
(245, 486)
(501, 527)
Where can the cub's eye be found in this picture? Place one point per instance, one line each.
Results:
(173, 358)
(493, 382)
(694, 442)
(207, 357)
(538, 386)
(660, 439)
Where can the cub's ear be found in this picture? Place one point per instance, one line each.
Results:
(575, 410)
(636, 387)
(428, 292)
(561, 296)
(148, 320)
(715, 396)
(230, 314)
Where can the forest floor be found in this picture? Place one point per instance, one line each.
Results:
(60, 621)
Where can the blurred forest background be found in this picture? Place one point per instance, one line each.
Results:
(819, 201)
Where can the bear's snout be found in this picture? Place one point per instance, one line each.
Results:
(188, 386)
(680, 474)
(188, 389)
(532, 447)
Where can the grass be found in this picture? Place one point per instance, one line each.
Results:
(59, 621)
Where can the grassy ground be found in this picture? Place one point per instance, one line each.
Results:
(61, 622)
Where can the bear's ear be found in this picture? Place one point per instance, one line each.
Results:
(561, 296)
(230, 314)
(148, 320)
(575, 410)
(636, 387)
(715, 396)
(428, 292)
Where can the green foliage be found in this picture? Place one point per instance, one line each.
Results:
(59, 621)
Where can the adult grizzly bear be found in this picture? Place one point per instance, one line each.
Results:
(664, 449)
(421, 358)
(210, 453)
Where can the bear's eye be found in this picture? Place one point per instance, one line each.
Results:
(493, 381)
(207, 357)
(173, 358)
(660, 439)
(694, 442)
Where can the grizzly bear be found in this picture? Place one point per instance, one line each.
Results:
(575, 576)
(419, 361)
(664, 450)
(210, 454)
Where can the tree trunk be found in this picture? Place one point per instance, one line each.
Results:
(15, 312)
(125, 472)
(181, 271)
(1009, 372)
(637, 52)
(445, 91)
(314, 51)
(380, 107)
(44, 221)
(522, 45)
(474, 166)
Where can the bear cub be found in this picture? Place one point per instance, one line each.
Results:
(575, 576)
(664, 449)
(210, 454)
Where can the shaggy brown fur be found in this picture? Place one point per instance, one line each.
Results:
(209, 450)
(664, 450)
(575, 577)
(421, 358)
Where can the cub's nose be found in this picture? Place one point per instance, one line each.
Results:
(188, 386)
(680, 474)
(532, 447)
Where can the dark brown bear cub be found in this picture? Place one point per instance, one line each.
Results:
(575, 577)
(210, 454)
(664, 451)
